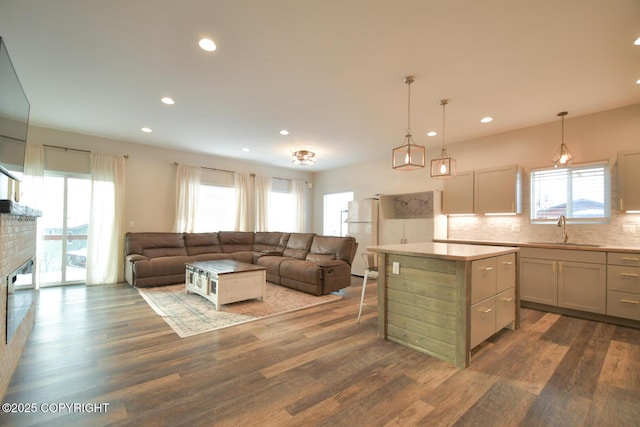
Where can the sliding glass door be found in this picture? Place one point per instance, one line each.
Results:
(65, 224)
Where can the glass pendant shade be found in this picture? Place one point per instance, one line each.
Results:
(444, 166)
(563, 156)
(408, 156)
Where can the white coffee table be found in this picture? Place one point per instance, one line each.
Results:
(225, 281)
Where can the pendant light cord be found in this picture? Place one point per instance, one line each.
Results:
(409, 108)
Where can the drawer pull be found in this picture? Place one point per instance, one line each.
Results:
(488, 268)
(629, 275)
(485, 310)
(507, 262)
(628, 301)
(624, 258)
(507, 299)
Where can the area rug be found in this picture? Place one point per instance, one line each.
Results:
(191, 314)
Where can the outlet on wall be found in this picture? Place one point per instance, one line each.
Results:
(396, 268)
(628, 229)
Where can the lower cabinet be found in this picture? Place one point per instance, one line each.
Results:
(571, 279)
(493, 296)
(623, 285)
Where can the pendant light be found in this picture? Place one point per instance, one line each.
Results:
(444, 166)
(563, 156)
(408, 156)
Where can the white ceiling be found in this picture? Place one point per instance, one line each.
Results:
(329, 71)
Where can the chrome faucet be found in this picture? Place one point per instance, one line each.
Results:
(562, 222)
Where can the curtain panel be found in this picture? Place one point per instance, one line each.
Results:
(263, 198)
(105, 242)
(32, 189)
(244, 192)
(187, 194)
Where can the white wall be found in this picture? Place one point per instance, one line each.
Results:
(150, 174)
(590, 138)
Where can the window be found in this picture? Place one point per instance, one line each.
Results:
(282, 212)
(216, 208)
(336, 206)
(581, 193)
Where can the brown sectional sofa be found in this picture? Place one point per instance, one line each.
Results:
(303, 261)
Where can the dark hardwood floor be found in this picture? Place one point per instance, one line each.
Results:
(102, 345)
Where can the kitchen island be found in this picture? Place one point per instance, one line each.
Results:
(443, 299)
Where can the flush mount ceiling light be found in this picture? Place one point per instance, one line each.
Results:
(444, 166)
(304, 157)
(207, 44)
(563, 156)
(146, 130)
(408, 156)
(168, 101)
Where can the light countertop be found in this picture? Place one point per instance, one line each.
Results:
(452, 251)
(543, 245)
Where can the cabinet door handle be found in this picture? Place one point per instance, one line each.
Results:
(628, 301)
(554, 266)
(629, 275)
(621, 204)
(507, 299)
(507, 262)
(488, 268)
(485, 310)
(559, 267)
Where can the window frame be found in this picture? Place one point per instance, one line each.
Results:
(606, 176)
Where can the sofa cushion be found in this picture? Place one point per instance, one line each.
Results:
(163, 266)
(301, 271)
(202, 243)
(154, 245)
(298, 245)
(344, 248)
(272, 263)
(270, 241)
(236, 241)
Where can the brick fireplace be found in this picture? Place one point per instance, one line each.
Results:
(18, 228)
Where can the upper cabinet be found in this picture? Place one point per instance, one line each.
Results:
(457, 197)
(498, 190)
(629, 180)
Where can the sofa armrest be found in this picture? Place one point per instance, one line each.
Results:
(130, 260)
(330, 263)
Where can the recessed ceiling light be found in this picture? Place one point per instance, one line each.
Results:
(146, 130)
(486, 120)
(284, 132)
(432, 133)
(637, 42)
(207, 44)
(168, 101)
(246, 150)
(638, 81)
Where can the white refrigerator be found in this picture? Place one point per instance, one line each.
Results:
(362, 221)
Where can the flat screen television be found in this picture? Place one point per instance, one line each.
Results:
(14, 118)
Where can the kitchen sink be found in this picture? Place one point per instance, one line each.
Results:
(588, 245)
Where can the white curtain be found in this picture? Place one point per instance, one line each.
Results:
(105, 242)
(244, 216)
(298, 189)
(187, 194)
(263, 197)
(32, 191)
